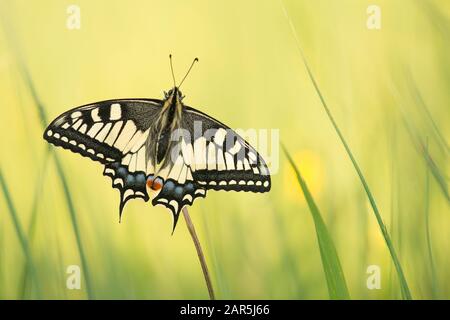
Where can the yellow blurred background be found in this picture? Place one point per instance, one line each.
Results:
(387, 89)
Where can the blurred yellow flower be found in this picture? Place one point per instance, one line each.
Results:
(311, 168)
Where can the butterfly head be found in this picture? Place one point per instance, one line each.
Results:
(174, 94)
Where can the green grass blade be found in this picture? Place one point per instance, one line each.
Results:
(74, 221)
(434, 282)
(66, 188)
(421, 149)
(337, 287)
(404, 285)
(419, 145)
(423, 106)
(9, 31)
(19, 230)
(25, 274)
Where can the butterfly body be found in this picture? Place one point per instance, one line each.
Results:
(167, 121)
(162, 147)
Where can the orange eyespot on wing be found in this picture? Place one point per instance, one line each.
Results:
(154, 183)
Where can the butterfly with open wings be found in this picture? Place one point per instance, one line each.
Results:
(161, 146)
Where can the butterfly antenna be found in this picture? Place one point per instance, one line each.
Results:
(171, 69)
(192, 64)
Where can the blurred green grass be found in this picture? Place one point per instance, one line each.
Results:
(337, 287)
(249, 75)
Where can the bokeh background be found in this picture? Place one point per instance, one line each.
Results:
(387, 89)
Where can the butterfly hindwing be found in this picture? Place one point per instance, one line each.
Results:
(131, 185)
(175, 196)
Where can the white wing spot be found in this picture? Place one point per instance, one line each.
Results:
(140, 162)
(246, 165)
(76, 114)
(220, 161)
(77, 124)
(211, 157)
(102, 134)
(176, 169)
(111, 171)
(219, 137)
(230, 161)
(132, 165)
(139, 142)
(112, 136)
(126, 160)
(95, 116)
(236, 148)
(94, 129)
(201, 191)
(127, 194)
(83, 128)
(116, 112)
(118, 181)
(239, 165)
(200, 153)
(132, 142)
(174, 204)
(125, 136)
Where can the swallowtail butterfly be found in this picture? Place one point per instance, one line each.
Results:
(164, 147)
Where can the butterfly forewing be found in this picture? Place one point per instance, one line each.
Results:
(103, 131)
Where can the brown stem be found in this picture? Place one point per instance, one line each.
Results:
(198, 247)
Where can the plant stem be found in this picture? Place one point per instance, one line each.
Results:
(200, 254)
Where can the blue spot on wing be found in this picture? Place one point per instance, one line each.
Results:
(131, 185)
(183, 193)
